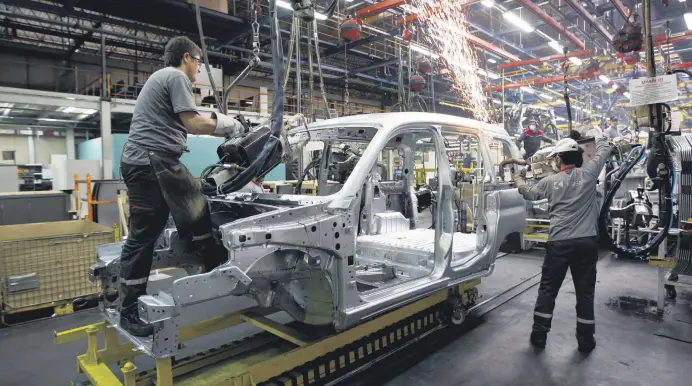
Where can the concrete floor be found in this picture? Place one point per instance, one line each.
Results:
(488, 350)
(494, 349)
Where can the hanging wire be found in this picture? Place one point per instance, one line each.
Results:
(198, 16)
(316, 39)
(291, 43)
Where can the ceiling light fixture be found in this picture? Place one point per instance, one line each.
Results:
(521, 23)
(491, 60)
(488, 3)
(489, 74)
(424, 51)
(556, 46)
(688, 20)
(286, 5)
(527, 90)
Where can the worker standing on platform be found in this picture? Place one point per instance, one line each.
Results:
(531, 139)
(157, 182)
(572, 241)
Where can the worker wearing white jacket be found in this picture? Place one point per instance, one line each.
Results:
(572, 241)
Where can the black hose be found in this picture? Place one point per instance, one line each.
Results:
(665, 213)
(299, 183)
(276, 120)
(204, 55)
(569, 113)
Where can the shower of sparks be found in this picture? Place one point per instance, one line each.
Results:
(445, 29)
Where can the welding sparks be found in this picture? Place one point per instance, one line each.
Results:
(445, 30)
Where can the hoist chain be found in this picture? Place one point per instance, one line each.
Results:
(346, 93)
(255, 31)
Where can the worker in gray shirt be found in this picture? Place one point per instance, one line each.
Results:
(612, 131)
(157, 182)
(572, 240)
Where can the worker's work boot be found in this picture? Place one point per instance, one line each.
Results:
(538, 338)
(130, 322)
(586, 343)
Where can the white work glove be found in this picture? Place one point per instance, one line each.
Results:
(590, 132)
(226, 126)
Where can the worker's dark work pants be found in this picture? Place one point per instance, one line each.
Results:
(153, 191)
(580, 256)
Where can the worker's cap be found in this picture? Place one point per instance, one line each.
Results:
(565, 145)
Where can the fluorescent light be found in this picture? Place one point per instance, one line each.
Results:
(521, 23)
(546, 96)
(688, 20)
(491, 60)
(497, 101)
(599, 106)
(489, 74)
(488, 3)
(76, 110)
(527, 90)
(376, 30)
(615, 86)
(424, 51)
(286, 5)
(556, 46)
(604, 79)
(575, 61)
(627, 95)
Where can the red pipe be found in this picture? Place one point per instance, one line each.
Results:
(591, 19)
(661, 39)
(489, 46)
(621, 8)
(378, 8)
(539, 81)
(681, 66)
(541, 14)
(529, 62)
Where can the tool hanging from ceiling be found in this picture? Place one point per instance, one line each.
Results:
(660, 166)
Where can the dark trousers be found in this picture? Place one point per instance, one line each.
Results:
(165, 186)
(580, 256)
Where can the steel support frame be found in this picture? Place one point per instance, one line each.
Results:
(94, 364)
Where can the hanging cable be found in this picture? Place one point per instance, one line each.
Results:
(276, 121)
(316, 39)
(291, 42)
(198, 16)
(254, 62)
(660, 165)
(311, 75)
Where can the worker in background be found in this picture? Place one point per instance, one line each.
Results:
(572, 240)
(612, 131)
(157, 182)
(531, 139)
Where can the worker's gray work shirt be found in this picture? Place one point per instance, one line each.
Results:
(156, 125)
(611, 132)
(572, 199)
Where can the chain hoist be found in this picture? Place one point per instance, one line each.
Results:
(346, 93)
(255, 32)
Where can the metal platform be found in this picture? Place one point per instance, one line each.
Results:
(282, 355)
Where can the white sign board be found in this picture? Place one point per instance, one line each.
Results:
(660, 89)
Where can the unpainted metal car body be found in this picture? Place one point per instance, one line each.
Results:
(343, 258)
